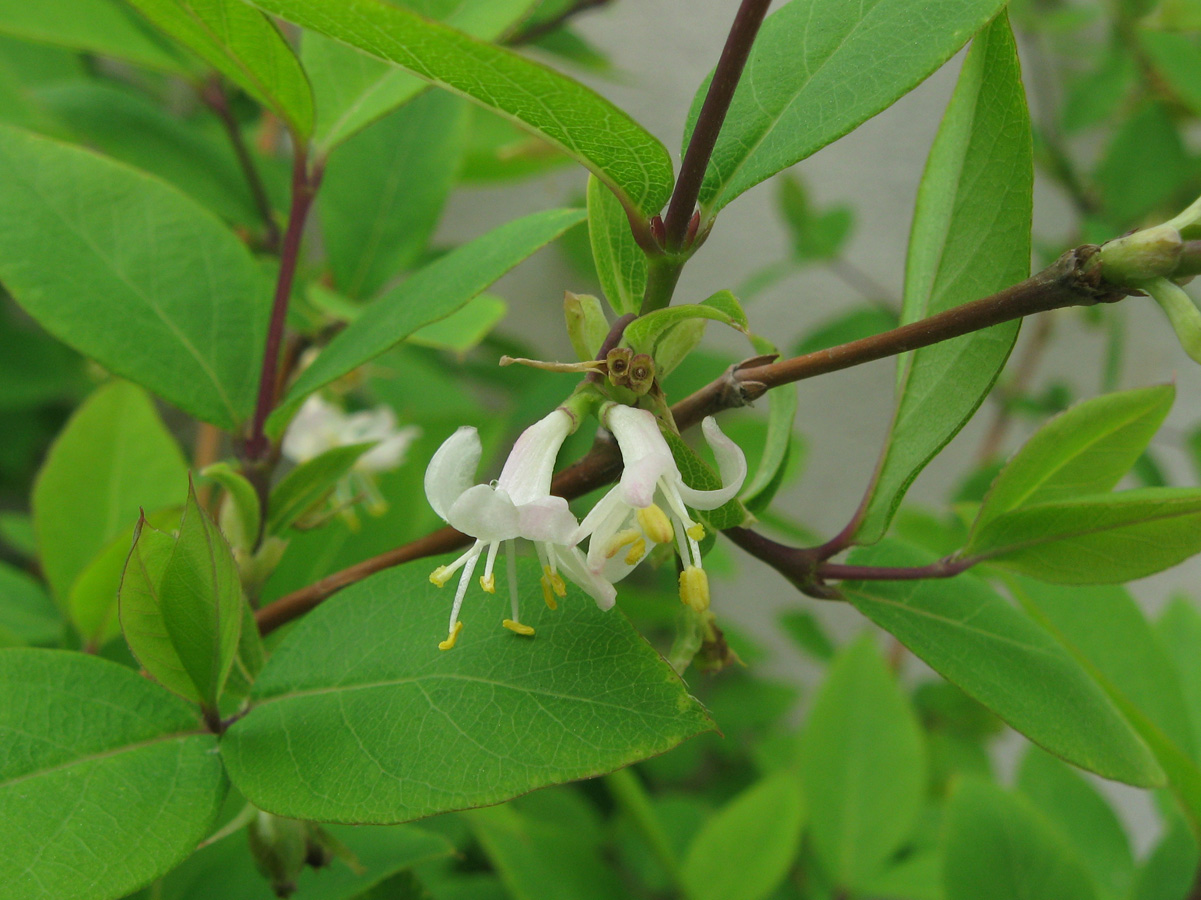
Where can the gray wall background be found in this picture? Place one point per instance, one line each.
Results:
(661, 50)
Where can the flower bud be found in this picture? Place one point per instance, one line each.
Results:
(1134, 258)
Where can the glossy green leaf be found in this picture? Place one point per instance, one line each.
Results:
(863, 765)
(200, 601)
(644, 333)
(95, 26)
(1081, 815)
(620, 263)
(354, 89)
(819, 70)
(113, 458)
(967, 633)
(1104, 629)
(1085, 450)
(747, 847)
(998, 847)
(383, 193)
(106, 780)
(541, 860)
(497, 716)
(1088, 540)
(243, 45)
(430, 294)
(26, 610)
(1179, 632)
(129, 127)
(591, 129)
(141, 614)
(309, 484)
(226, 870)
(970, 237)
(84, 247)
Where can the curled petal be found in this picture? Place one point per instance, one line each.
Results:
(547, 519)
(452, 470)
(731, 462)
(571, 563)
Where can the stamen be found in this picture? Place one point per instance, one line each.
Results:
(511, 556)
(694, 588)
(518, 628)
(546, 592)
(654, 522)
(449, 643)
(637, 551)
(488, 583)
(552, 584)
(621, 539)
(697, 531)
(441, 575)
(471, 557)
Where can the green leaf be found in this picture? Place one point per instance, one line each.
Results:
(226, 870)
(129, 127)
(1085, 450)
(430, 294)
(861, 322)
(644, 333)
(1105, 630)
(1080, 814)
(133, 274)
(499, 151)
(766, 480)
(587, 326)
(106, 780)
(93, 26)
(464, 329)
(200, 600)
(113, 458)
(863, 766)
(1175, 58)
(383, 193)
(564, 112)
(1179, 632)
(245, 46)
(818, 70)
(621, 265)
(26, 611)
(241, 513)
(1096, 96)
(1088, 540)
(967, 633)
(1143, 166)
(499, 715)
(746, 849)
(815, 235)
(1170, 869)
(309, 484)
(540, 860)
(808, 634)
(999, 848)
(354, 89)
(970, 238)
(699, 475)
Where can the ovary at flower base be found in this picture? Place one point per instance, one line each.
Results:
(650, 504)
(518, 505)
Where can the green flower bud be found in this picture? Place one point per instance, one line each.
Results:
(1138, 257)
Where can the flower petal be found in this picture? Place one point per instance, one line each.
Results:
(389, 452)
(527, 472)
(571, 564)
(644, 453)
(731, 462)
(486, 513)
(547, 519)
(313, 430)
(452, 470)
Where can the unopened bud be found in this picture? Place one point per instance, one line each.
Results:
(279, 847)
(1138, 257)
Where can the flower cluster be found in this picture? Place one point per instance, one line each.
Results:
(649, 506)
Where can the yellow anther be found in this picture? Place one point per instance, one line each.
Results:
(547, 594)
(488, 583)
(441, 575)
(696, 531)
(637, 551)
(694, 588)
(454, 636)
(655, 523)
(556, 582)
(518, 628)
(621, 539)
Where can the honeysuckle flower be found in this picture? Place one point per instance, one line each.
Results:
(650, 504)
(518, 505)
(320, 426)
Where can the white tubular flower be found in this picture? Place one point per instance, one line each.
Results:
(629, 520)
(320, 426)
(519, 504)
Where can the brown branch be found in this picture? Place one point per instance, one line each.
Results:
(1069, 281)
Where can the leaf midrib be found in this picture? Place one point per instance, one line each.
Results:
(103, 754)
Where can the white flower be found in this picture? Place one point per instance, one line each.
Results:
(628, 520)
(320, 426)
(519, 504)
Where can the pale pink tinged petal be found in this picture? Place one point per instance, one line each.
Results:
(548, 519)
(571, 564)
(486, 513)
(596, 516)
(644, 453)
(731, 462)
(616, 518)
(527, 472)
(452, 470)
